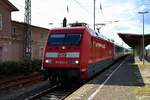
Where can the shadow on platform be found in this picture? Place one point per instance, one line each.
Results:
(147, 58)
(127, 75)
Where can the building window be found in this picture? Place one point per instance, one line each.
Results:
(1, 23)
(40, 53)
(13, 31)
(42, 35)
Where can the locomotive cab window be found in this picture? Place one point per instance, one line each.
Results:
(56, 39)
(64, 39)
(72, 39)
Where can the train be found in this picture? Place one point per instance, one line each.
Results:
(77, 52)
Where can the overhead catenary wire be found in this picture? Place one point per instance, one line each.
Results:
(83, 7)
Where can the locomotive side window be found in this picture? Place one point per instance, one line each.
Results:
(64, 39)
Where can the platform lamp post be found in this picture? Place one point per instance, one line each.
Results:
(143, 12)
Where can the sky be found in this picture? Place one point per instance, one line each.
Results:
(120, 16)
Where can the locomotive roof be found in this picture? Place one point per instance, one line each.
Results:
(96, 34)
(92, 32)
(63, 28)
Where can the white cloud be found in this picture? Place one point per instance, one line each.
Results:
(53, 11)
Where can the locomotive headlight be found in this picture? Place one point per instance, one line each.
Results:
(48, 61)
(76, 62)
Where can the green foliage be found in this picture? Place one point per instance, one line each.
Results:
(11, 68)
(142, 90)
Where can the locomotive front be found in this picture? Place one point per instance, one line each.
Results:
(62, 54)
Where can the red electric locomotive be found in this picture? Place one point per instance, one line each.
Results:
(76, 52)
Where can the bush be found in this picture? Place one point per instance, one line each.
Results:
(11, 68)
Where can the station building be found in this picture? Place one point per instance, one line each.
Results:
(12, 32)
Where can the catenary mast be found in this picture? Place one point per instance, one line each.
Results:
(27, 35)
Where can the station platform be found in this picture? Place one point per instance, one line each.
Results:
(125, 80)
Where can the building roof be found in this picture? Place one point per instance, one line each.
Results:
(33, 26)
(134, 39)
(12, 7)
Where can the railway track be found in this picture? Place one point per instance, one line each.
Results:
(20, 81)
(60, 91)
(56, 92)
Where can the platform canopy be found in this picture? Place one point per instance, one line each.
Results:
(133, 40)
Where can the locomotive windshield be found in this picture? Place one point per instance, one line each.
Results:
(64, 39)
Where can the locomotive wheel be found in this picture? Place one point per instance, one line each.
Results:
(54, 79)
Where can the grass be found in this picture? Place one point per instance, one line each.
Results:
(140, 64)
(145, 90)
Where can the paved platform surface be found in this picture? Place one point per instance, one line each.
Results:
(120, 82)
